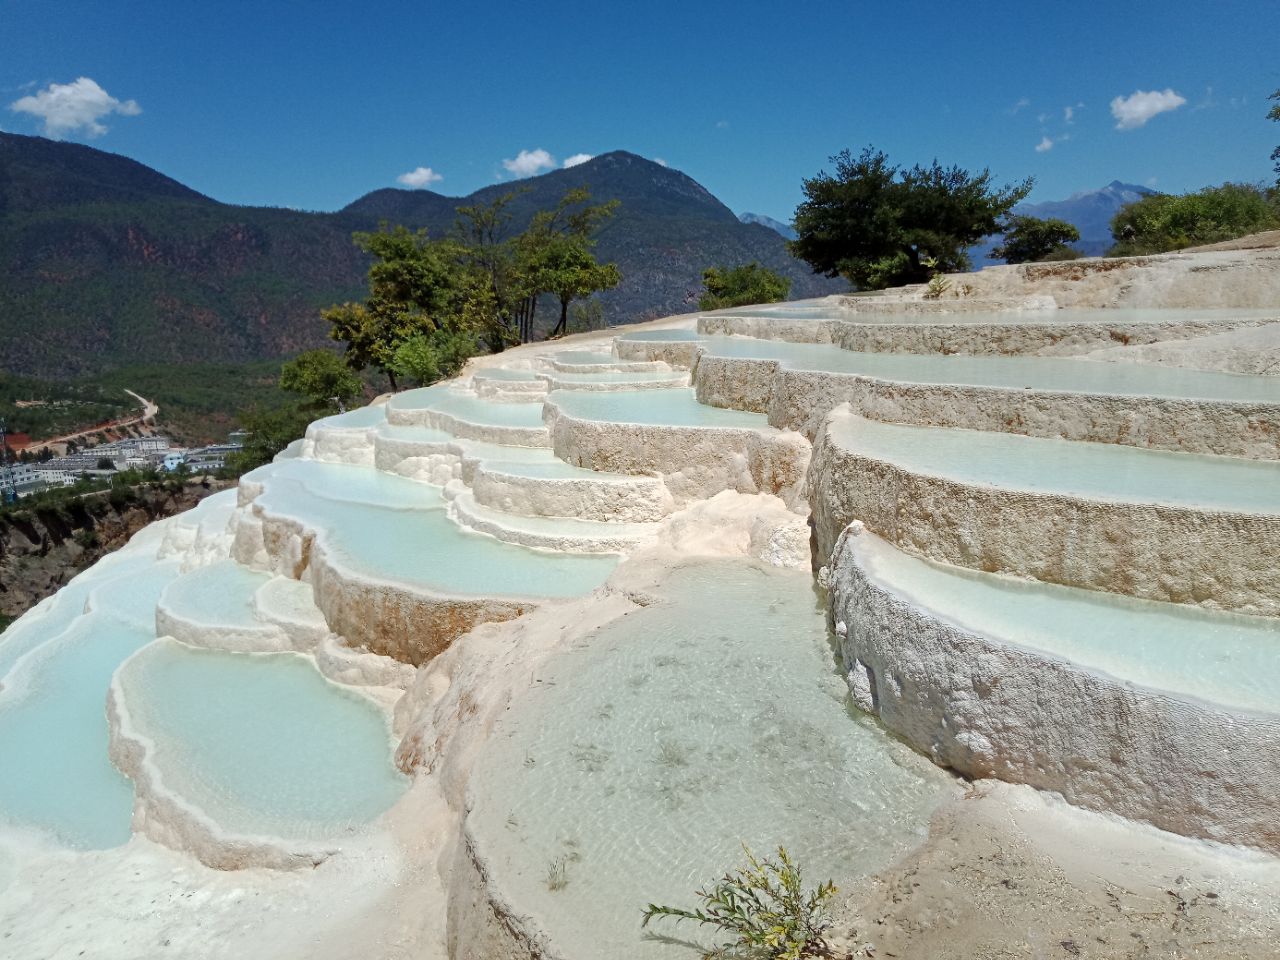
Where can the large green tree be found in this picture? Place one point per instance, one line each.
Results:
(418, 287)
(1028, 239)
(1161, 222)
(725, 287)
(1274, 114)
(320, 378)
(878, 225)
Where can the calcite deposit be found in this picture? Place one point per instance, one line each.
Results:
(584, 589)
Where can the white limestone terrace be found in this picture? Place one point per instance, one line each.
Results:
(1179, 527)
(424, 574)
(1145, 709)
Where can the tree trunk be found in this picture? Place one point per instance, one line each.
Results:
(392, 377)
(563, 325)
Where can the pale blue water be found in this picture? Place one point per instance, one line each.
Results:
(1097, 470)
(676, 335)
(426, 548)
(475, 409)
(583, 357)
(1105, 315)
(219, 594)
(1017, 373)
(643, 757)
(262, 743)
(505, 373)
(622, 376)
(352, 484)
(360, 417)
(1221, 657)
(675, 407)
(53, 738)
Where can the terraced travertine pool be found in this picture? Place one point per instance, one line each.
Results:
(1223, 658)
(324, 770)
(1014, 373)
(640, 761)
(1095, 470)
(422, 546)
(677, 408)
(866, 312)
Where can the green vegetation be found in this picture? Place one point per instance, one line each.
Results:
(268, 431)
(1162, 222)
(123, 488)
(878, 225)
(432, 304)
(321, 379)
(1274, 114)
(44, 409)
(741, 285)
(765, 908)
(1028, 239)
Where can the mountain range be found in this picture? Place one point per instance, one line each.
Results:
(107, 262)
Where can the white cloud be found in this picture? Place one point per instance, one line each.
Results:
(1069, 113)
(576, 159)
(1044, 146)
(68, 107)
(722, 124)
(529, 162)
(1140, 106)
(419, 178)
(1022, 104)
(659, 161)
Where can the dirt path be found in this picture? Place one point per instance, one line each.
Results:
(149, 411)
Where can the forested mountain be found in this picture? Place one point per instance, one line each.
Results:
(106, 262)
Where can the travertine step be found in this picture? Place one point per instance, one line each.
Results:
(1178, 527)
(1129, 706)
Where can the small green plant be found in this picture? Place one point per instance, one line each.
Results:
(557, 874)
(938, 285)
(765, 908)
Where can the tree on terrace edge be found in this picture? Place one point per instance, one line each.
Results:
(879, 225)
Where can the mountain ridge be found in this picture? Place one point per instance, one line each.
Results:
(110, 262)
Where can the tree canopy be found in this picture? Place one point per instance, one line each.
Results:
(878, 225)
(1274, 114)
(320, 378)
(748, 283)
(433, 303)
(1028, 239)
(1161, 222)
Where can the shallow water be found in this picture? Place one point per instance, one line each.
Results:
(675, 407)
(644, 757)
(220, 594)
(262, 743)
(1017, 373)
(1095, 470)
(423, 547)
(1221, 657)
(369, 416)
(53, 737)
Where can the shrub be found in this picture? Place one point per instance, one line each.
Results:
(1028, 239)
(765, 908)
(739, 286)
(1162, 222)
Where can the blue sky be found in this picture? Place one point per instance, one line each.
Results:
(310, 105)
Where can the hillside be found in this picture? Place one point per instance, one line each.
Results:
(108, 262)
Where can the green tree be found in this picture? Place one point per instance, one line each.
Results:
(321, 378)
(741, 285)
(1161, 222)
(878, 225)
(268, 431)
(554, 256)
(1274, 114)
(1028, 239)
(417, 288)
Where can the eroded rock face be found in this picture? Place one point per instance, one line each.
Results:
(1190, 555)
(988, 708)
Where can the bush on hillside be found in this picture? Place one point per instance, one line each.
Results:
(1162, 222)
